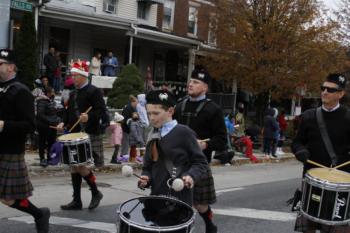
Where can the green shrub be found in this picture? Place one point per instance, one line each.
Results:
(26, 50)
(129, 82)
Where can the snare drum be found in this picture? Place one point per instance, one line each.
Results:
(154, 214)
(76, 149)
(326, 195)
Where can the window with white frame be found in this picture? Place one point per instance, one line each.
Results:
(110, 6)
(168, 14)
(143, 9)
(192, 20)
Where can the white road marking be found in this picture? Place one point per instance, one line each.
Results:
(257, 214)
(102, 226)
(111, 227)
(228, 190)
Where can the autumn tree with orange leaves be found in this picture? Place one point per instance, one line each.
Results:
(274, 46)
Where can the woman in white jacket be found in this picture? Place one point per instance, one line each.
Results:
(95, 66)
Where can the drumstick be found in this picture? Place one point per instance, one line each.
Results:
(52, 127)
(316, 164)
(78, 121)
(205, 140)
(342, 165)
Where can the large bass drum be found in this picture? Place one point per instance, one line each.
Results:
(154, 214)
(326, 195)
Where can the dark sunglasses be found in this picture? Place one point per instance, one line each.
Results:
(330, 89)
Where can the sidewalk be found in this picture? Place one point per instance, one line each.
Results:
(32, 159)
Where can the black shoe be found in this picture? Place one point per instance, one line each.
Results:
(73, 205)
(42, 224)
(211, 228)
(115, 161)
(95, 200)
(43, 162)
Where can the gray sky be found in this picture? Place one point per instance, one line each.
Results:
(331, 3)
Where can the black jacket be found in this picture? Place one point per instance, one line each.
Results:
(309, 137)
(181, 148)
(50, 62)
(209, 123)
(79, 101)
(17, 111)
(46, 112)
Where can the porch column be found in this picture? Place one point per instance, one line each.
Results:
(130, 48)
(4, 23)
(191, 60)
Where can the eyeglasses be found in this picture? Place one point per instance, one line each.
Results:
(330, 89)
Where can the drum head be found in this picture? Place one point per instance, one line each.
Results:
(330, 175)
(156, 212)
(73, 137)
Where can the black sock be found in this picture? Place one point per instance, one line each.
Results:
(76, 182)
(207, 216)
(25, 205)
(115, 152)
(91, 181)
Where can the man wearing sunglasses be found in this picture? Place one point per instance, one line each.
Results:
(16, 121)
(308, 143)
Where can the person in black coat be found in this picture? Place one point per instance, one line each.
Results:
(127, 114)
(205, 118)
(80, 100)
(46, 116)
(17, 119)
(308, 143)
(51, 64)
(172, 142)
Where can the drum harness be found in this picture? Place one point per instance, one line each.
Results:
(325, 136)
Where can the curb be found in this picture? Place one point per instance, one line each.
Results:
(59, 170)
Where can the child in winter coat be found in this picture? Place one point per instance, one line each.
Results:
(116, 136)
(136, 135)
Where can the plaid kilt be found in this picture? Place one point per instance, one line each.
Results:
(14, 179)
(97, 149)
(303, 224)
(204, 190)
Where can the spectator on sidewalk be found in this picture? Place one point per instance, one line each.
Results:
(127, 114)
(116, 136)
(46, 116)
(239, 120)
(269, 132)
(141, 110)
(282, 133)
(136, 135)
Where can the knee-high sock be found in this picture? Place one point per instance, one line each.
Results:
(91, 181)
(76, 182)
(207, 216)
(25, 205)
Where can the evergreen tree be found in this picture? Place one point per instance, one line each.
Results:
(26, 50)
(129, 82)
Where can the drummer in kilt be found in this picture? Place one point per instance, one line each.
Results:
(85, 96)
(16, 121)
(170, 147)
(308, 143)
(205, 118)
